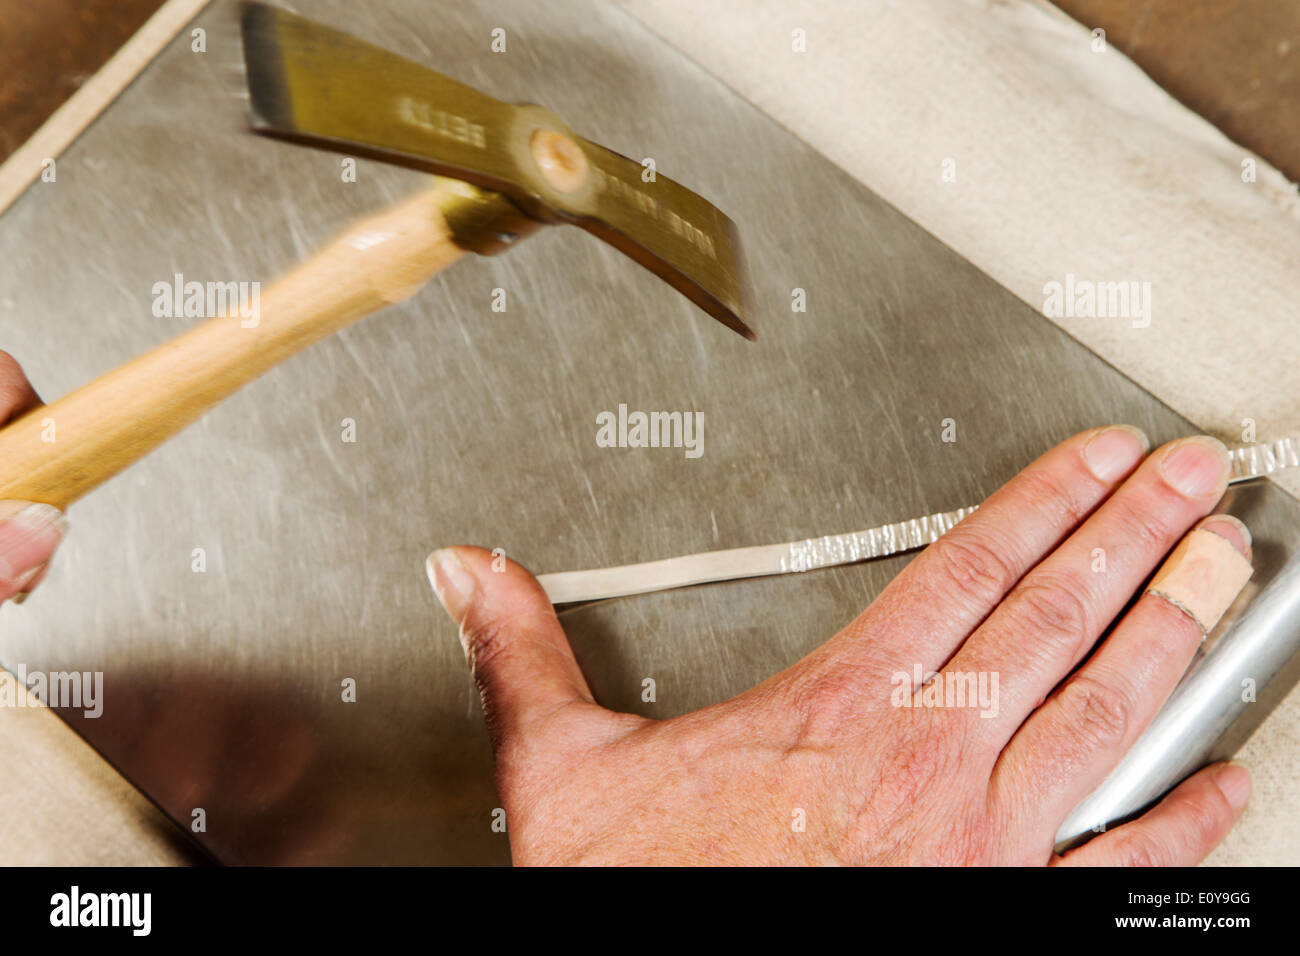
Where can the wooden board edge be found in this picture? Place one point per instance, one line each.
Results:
(71, 119)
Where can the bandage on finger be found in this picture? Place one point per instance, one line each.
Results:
(1202, 577)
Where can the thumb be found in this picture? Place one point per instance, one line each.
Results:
(29, 533)
(517, 651)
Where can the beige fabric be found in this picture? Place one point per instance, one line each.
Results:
(61, 804)
(1067, 162)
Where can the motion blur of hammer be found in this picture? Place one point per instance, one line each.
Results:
(502, 172)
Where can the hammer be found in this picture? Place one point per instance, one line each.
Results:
(501, 172)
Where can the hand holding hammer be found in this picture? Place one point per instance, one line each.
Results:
(501, 172)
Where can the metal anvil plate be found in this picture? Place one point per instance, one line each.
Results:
(222, 688)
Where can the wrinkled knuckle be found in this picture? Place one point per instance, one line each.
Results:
(1053, 491)
(1097, 712)
(975, 566)
(1055, 608)
(1145, 527)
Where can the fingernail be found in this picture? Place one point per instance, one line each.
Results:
(24, 583)
(1196, 466)
(28, 541)
(1113, 452)
(1227, 526)
(1233, 781)
(452, 581)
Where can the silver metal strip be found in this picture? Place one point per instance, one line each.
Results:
(1257, 461)
(569, 587)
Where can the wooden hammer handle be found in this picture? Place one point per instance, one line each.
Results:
(59, 452)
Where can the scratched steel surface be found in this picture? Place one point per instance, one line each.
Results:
(222, 688)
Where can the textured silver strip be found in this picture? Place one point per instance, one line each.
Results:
(568, 587)
(1256, 461)
(1248, 461)
(828, 551)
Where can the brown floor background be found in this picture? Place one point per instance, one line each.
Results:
(1236, 62)
(48, 48)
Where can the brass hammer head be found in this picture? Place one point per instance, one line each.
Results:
(314, 84)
